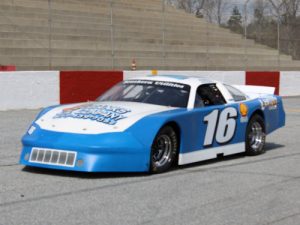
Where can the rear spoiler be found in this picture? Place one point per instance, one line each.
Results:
(255, 91)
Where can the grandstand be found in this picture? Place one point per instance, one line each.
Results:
(109, 34)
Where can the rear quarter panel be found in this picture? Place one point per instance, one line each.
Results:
(274, 114)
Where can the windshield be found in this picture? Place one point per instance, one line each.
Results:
(148, 91)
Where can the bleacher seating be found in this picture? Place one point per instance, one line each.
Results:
(109, 34)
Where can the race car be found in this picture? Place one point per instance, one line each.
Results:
(149, 124)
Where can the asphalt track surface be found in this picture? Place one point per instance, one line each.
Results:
(261, 190)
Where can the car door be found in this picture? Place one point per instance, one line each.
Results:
(215, 129)
(218, 117)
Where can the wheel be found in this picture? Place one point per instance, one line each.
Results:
(255, 136)
(163, 150)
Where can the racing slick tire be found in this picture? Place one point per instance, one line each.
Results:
(255, 136)
(163, 150)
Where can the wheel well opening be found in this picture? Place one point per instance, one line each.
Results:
(177, 130)
(258, 112)
(261, 114)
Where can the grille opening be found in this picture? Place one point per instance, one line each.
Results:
(47, 156)
(62, 158)
(34, 154)
(53, 157)
(71, 158)
(40, 156)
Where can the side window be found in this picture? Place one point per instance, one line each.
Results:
(132, 91)
(236, 94)
(198, 101)
(207, 95)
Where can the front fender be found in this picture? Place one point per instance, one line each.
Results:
(110, 152)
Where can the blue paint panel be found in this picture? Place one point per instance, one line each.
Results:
(191, 125)
(275, 118)
(115, 152)
(193, 128)
(130, 150)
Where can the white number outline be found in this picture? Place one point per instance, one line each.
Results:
(215, 126)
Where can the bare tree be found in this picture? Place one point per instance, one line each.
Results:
(199, 8)
(287, 12)
(220, 8)
(208, 10)
(190, 6)
(187, 5)
(260, 20)
(215, 10)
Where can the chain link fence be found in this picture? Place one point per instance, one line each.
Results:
(159, 34)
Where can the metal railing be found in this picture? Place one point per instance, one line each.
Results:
(110, 33)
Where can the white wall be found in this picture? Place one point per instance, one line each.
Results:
(230, 77)
(32, 90)
(132, 74)
(289, 83)
(28, 90)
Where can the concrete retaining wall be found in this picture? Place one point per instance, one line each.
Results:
(30, 90)
(230, 77)
(289, 83)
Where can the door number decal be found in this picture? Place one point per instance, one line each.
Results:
(221, 126)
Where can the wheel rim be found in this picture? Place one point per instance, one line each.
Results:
(256, 136)
(162, 150)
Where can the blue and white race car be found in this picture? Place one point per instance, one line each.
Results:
(151, 123)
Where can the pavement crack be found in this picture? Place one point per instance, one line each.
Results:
(256, 173)
(8, 165)
(97, 188)
(282, 218)
(244, 198)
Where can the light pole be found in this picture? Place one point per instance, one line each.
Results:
(50, 34)
(245, 32)
(164, 33)
(277, 8)
(112, 38)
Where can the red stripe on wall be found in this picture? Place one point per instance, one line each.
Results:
(81, 86)
(7, 68)
(270, 79)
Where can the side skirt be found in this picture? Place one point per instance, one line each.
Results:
(211, 153)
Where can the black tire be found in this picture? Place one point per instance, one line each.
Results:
(255, 136)
(163, 150)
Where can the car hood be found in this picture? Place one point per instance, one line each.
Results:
(96, 117)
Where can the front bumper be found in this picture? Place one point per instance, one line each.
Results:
(112, 152)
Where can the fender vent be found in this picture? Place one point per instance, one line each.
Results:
(53, 157)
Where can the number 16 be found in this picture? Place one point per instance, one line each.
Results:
(220, 126)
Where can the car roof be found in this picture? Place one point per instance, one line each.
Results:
(189, 80)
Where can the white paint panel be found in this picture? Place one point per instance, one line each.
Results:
(210, 153)
(230, 77)
(28, 90)
(289, 83)
(69, 124)
(255, 91)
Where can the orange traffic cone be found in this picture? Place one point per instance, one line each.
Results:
(133, 65)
